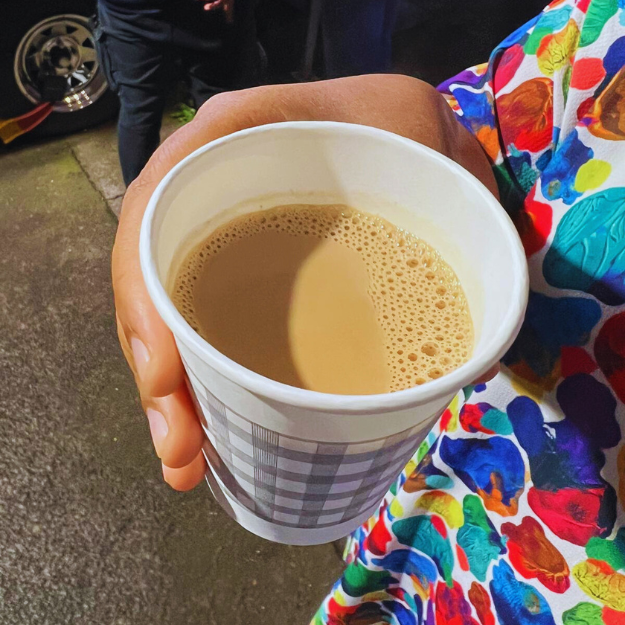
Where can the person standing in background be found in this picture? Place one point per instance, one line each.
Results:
(144, 44)
(357, 36)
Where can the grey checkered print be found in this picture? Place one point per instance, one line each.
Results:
(298, 483)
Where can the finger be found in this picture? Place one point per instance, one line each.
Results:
(229, 10)
(175, 428)
(188, 477)
(125, 346)
(147, 342)
(489, 375)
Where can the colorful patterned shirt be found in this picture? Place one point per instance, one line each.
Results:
(513, 510)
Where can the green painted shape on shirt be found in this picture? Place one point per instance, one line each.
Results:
(511, 194)
(478, 537)
(393, 489)
(358, 580)
(497, 421)
(599, 12)
(318, 618)
(566, 82)
(533, 41)
(424, 447)
(583, 613)
(420, 533)
(610, 551)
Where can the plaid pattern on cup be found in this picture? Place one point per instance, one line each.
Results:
(298, 483)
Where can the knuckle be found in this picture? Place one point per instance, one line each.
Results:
(216, 102)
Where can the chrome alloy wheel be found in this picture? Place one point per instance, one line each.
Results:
(63, 45)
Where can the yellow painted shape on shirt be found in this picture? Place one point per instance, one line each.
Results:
(410, 467)
(443, 504)
(454, 408)
(601, 582)
(592, 175)
(480, 69)
(420, 590)
(378, 595)
(340, 598)
(525, 382)
(556, 51)
(396, 509)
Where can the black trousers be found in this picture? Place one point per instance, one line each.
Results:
(144, 55)
(357, 35)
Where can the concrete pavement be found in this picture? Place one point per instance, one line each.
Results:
(89, 534)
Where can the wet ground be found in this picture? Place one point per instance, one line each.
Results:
(89, 533)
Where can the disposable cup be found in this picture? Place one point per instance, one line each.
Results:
(292, 465)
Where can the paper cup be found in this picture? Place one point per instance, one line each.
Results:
(296, 466)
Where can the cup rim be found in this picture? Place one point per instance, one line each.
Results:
(256, 383)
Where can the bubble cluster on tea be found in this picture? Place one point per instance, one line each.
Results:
(326, 298)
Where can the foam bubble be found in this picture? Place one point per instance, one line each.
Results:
(415, 293)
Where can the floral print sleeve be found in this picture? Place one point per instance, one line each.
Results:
(513, 510)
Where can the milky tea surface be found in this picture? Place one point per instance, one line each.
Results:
(326, 298)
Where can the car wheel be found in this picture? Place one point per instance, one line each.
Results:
(55, 60)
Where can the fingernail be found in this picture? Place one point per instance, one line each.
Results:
(140, 354)
(158, 428)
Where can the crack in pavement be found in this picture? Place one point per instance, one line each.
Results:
(112, 204)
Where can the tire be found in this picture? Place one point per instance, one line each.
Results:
(101, 104)
(97, 113)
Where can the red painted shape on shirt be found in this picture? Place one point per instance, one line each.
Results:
(570, 513)
(526, 115)
(507, 66)
(481, 602)
(533, 555)
(471, 419)
(445, 419)
(439, 524)
(462, 558)
(575, 360)
(534, 224)
(378, 538)
(587, 73)
(451, 606)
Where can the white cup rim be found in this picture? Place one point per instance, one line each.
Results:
(447, 385)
